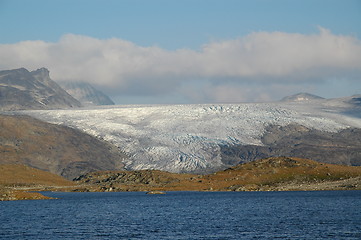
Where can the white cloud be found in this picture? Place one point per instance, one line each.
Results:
(225, 66)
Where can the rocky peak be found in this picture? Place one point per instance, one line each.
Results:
(41, 73)
(21, 89)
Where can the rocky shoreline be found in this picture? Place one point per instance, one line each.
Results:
(12, 195)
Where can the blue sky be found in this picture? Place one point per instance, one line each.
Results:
(170, 31)
(173, 24)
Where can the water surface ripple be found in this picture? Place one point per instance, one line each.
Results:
(185, 215)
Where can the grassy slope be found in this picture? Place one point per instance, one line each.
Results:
(21, 175)
(15, 179)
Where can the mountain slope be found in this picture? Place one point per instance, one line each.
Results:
(58, 149)
(21, 89)
(86, 94)
(342, 147)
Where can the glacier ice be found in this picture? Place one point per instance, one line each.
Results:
(186, 138)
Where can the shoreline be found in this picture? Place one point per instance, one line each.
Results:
(16, 194)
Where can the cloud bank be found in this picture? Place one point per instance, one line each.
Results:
(256, 67)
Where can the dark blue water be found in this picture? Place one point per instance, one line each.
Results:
(185, 215)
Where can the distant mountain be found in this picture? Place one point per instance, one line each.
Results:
(21, 89)
(86, 93)
(301, 97)
(354, 100)
(58, 149)
(349, 101)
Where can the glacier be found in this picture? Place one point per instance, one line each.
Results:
(187, 138)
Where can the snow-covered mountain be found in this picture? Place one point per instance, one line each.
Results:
(301, 97)
(188, 138)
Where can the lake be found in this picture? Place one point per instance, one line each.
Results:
(185, 215)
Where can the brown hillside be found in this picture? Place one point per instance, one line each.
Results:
(58, 149)
(21, 175)
(280, 173)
